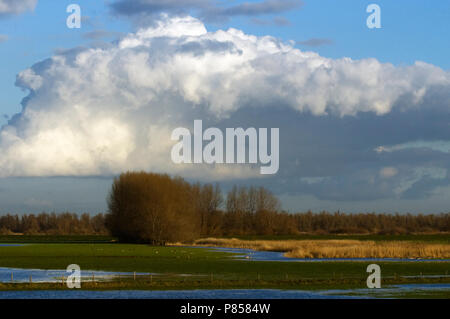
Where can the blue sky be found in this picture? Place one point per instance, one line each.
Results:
(411, 31)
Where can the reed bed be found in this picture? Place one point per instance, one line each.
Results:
(337, 248)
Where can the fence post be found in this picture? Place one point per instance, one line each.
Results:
(12, 277)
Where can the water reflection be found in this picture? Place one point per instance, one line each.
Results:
(250, 254)
(19, 275)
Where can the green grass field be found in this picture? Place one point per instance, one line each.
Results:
(208, 269)
(66, 239)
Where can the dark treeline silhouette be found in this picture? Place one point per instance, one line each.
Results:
(157, 209)
(53, 224)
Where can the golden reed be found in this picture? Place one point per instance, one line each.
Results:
(337, 248)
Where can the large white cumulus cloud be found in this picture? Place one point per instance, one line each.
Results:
(101, 111)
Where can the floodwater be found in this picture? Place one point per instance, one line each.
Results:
(394, 290)
(19, 275)
(39, 275)
(250, 254)
(168, 294)
(224, 293)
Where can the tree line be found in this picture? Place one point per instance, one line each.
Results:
(53, 224)
(157, 208)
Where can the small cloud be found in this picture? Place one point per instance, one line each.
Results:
(261, 22)
(3, 38)
(277, 21)
(313, 180)
(316, 42)
(87, 20)
(380, 149)
(388, 172)
(261, 8)
(150, 7)
(33, 202)
(102, 34)
(437, 146)
(62, 51)
(14, 7)
(281, 21)
(208, 9)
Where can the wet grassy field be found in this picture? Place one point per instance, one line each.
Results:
(198, 268)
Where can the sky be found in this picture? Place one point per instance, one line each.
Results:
(363, 113)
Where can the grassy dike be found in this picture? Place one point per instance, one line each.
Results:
(205, 269)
